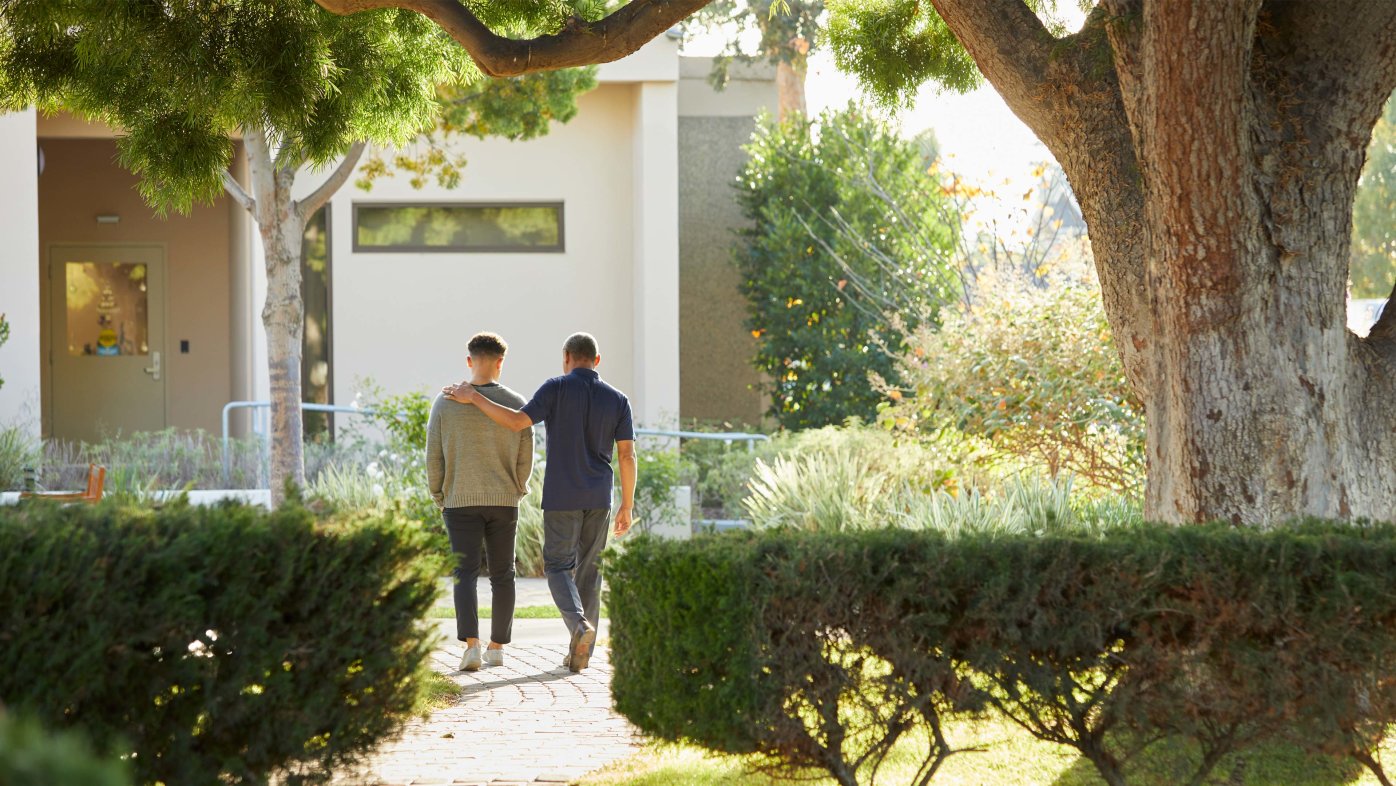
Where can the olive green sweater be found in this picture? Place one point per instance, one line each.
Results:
(473, 461)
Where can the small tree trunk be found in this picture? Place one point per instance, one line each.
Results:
(283, 315)
(284, 319)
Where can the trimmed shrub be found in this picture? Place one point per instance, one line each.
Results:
(213, 645)
(824, 650)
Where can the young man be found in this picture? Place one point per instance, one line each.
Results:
(585, 417)
(477, 473)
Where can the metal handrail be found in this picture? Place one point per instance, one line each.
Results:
(262, 429)
(265, 433)
(726, 436)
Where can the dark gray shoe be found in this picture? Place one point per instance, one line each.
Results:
(579, 651)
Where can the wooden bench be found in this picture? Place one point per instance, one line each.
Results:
(96, 481)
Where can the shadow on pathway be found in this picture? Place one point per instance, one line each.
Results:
(528, 721)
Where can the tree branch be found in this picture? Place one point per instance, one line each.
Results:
(1382, 336)
(235, 190)
(1341, 51)
(317, 198)
(262, 171)
(579, 42)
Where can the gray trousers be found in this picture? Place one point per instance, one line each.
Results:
(572, 544)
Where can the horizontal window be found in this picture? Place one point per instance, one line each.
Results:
(535, 226)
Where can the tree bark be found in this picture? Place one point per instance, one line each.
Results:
(283, 315)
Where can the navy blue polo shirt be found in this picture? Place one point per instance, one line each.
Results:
(585, 418)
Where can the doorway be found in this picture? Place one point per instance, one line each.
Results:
(107, 340)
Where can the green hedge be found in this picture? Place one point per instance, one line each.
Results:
(826, 650)
(222, 644)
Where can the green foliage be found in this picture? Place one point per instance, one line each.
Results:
(1373, 270)
(821, 650)
(404, 417)
(181, 77)
(895, 46)
(786, 30)
(790, 472)
(658, 472)
(859, 477)
(1035, 372)
(17, 451)
(717, 472)
(221, 644)
(516, 108)
(30, 756)
(166, 459)
(845, 229)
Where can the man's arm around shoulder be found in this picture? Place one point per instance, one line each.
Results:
(512, 419)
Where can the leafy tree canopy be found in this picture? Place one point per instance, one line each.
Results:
(785, 30)
(179, 77)
(895, 46)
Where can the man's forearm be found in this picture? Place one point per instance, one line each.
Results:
(629, 471)
(512, 419)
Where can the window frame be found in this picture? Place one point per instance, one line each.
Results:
(560, 248)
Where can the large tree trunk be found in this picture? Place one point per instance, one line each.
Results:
(1252, 135)
(1216, 164)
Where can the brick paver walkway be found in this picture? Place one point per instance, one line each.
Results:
(528, 721)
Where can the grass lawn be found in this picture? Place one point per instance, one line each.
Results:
(441, 692)
(1010, 756)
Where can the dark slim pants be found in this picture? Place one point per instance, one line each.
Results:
(496, 527)
(572, 544)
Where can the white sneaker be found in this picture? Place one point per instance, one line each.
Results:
(471, 660)
(494, 657)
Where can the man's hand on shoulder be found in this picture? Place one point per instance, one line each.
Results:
(464, 392)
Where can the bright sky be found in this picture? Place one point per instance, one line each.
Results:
(980, 139)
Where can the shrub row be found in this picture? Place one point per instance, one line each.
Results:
(824, 650)
(213, 645)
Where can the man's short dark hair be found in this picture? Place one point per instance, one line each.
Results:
(487, 345)
(581, 346)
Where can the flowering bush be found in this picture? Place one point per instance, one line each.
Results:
(1036, 373)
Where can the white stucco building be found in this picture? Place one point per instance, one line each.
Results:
(616, 223)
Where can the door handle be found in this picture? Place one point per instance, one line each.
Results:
(154, 369)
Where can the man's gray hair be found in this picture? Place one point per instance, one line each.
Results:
(581, 346)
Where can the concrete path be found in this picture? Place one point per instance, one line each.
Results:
(528, 721)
